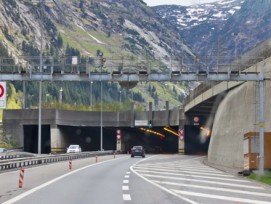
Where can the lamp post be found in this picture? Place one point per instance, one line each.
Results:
(40, 83)
(47, 95)
(120, 98)
(60, 95)
(101, 136)
(91, 94)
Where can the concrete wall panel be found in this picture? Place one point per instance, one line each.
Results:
(207, 94)
(237, 114)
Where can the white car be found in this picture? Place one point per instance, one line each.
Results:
(3, 150)
(74, 149)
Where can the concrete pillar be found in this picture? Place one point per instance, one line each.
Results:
(132, 115)
(167, 113)
(182, 122)
(58, 143)
(150, 110)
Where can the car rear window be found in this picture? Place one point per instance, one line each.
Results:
(137, 147)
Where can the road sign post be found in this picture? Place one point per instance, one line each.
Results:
(118, 136)
(2, 95)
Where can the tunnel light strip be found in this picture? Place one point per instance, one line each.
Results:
(171, 131)
(207, 134)
(153, 132)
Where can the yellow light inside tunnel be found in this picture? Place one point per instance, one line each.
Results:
(171, 131)
(153, 132)
(206, 130)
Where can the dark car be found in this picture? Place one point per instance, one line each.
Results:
(137, 151)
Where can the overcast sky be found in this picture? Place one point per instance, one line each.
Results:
(177, 2)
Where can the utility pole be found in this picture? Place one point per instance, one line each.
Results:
(101, 136)
(40, 83)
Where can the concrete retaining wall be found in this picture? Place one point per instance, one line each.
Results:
(237, 114)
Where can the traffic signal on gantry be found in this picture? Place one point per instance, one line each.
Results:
(150, 124)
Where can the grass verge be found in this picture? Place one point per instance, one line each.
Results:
(266, 178)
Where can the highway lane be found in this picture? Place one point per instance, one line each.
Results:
(156, 179)
(110, 181)
(35, 176)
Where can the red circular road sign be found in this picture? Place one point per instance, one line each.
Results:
(2, 90)
(196, 119)
(118, 134)
(181, 134)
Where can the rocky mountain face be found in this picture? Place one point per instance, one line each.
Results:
(118, 28)
(226, 27)
(123, 27)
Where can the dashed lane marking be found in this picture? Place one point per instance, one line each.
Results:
(126, 197)
(125, 188)
(125, 181)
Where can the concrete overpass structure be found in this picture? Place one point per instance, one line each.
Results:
(233, 109)
(60, 128)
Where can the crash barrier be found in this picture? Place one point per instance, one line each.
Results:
(14, 156)
(38, 160)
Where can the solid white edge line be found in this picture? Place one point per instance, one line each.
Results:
(157, 185)
(21, 196)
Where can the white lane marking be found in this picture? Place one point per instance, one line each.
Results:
(126, 197)
(202, 181)
(157, 185)
(195, 168)
(184, 171)
(127, 176)
(167, 164)
(27, 193)
(125, 188)
(128, 172)
(214, 188)
(125, 181)
(226, 198)
(195, 176)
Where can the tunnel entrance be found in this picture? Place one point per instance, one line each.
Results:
(31, 139)
(196, 141)
(89, 138)
(154, 140)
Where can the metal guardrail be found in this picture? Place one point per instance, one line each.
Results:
(15, 156)
(38, 160)
(115, 65)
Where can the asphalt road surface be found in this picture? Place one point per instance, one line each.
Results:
(165, 179)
